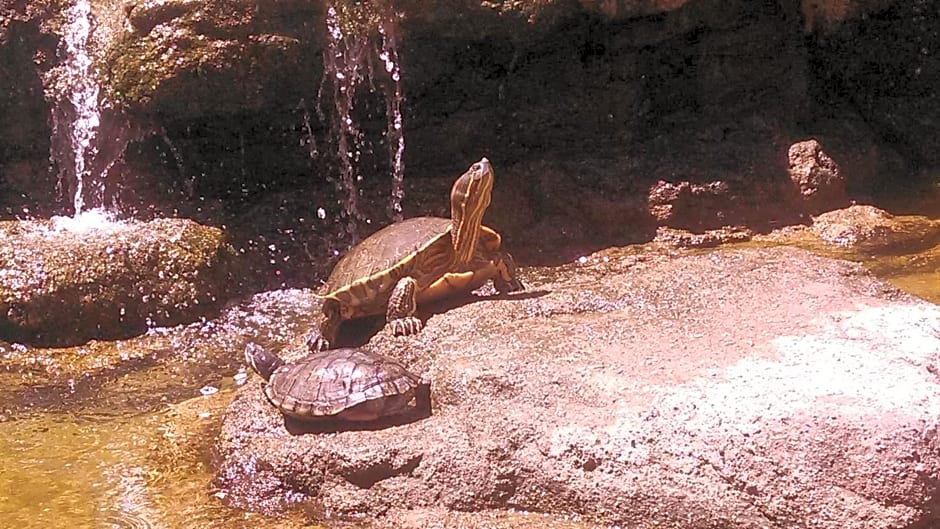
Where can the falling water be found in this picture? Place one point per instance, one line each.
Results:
(82, 96)
(394, 134)
(348, 62)
(188, 182)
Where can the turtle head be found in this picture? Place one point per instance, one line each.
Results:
(261, 360)
(469, 199)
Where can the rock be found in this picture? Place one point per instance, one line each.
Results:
(817, 176)
(875, 230)
(219, 57)
(707, 239)
(889, 79)
(739, 388)
(62, 285)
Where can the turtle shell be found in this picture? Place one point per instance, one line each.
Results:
(386, 248)
(348, 384)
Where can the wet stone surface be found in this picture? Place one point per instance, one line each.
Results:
(869, 228)
(740, 388)
(59, 286)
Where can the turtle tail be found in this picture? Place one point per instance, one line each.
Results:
(261, 360)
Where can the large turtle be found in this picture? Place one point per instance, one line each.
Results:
(419, 260)
(344, 384)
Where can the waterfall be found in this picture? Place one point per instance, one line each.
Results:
(77, 124)
(350, 59)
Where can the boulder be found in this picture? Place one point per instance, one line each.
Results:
(872, 229)
(817, 176)
(61, 284)
(741, 388)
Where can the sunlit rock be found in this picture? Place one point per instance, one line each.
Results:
(874, 229)
(736, 389)
(816, 175)
(65, 281)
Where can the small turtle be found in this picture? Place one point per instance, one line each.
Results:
(345, 384)
(420, 260)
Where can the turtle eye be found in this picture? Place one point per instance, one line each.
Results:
(477, 169)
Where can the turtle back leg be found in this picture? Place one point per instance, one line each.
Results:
(506, 278)
(401, 308)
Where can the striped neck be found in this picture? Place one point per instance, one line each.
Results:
(469, 199)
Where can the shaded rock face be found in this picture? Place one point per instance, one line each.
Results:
(736, 389)
(891, 80)
(683, 112)
(59, 287)
(25, 48)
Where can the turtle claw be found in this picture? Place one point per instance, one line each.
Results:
(405, 326)
(506, 279)
(513, 285)
(316, 342)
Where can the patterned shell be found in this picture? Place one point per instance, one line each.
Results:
(329, 382)
(385, 248)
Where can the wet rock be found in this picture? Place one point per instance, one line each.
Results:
(62, 285)
(219, 57)
(872, 229)
(707, 239)
(817, 176)
(733, 389)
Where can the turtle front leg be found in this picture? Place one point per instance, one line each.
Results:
(506, 279)
(325, 336)
(401, 308)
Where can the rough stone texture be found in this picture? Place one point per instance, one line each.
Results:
(27, 48)
(873, 229)
(61, 287)
(747, 388)
(186, 59)
(891, 79)
(817, 176)
(605, 119)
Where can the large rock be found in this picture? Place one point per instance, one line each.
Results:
(875, 230)
(62, 285)
(818, 177)
(736, 389)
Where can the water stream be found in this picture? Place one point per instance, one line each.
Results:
(78, 113)
(353, 59)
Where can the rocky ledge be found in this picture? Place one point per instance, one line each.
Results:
(61, 284)
(740, 388)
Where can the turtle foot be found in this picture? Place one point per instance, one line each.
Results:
(513, 285)
(405, 326)
(316, 342)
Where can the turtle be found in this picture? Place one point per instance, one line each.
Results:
(419, 260)
(345, 384)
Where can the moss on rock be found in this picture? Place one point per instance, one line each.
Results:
(60, 287)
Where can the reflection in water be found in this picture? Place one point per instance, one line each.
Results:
(127, 503)
(54, 470)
